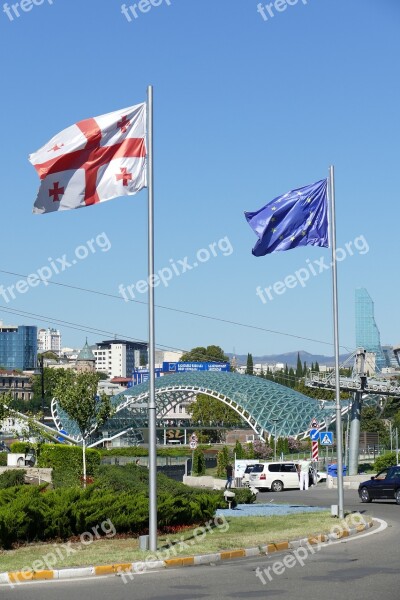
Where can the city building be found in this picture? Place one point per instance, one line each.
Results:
(367, 332)
(18, 347)
(162, 356)
(391, 361)
(19, 385)
(49, 340)
(86, 360)
(118, 358)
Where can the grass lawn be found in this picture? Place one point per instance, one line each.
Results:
(237, 532)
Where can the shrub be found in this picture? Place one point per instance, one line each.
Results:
(222, 461)
(12, 478)
(66, 462)
(20, 447)
(3, 459)
(199, 462)
(120, 494)
(385, 461)
(243, 496)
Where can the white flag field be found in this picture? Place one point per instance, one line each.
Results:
(93, 161)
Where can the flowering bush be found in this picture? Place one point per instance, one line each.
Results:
(261, 450)
(294, 445)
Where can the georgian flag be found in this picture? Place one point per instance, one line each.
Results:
(93, 161)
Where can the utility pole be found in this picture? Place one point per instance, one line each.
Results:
(41, 363)
(274, 422)
(356, 413)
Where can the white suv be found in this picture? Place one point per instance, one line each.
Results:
(274, 476)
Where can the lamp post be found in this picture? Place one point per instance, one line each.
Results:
(274, 422)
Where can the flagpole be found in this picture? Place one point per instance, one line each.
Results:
(152, 400)
(339, 440)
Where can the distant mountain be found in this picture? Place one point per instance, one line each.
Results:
(290, 358)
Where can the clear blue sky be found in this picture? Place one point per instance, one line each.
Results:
(245, 110)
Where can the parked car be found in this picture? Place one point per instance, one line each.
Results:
(383, 486)
(274, 476)
(246, 474)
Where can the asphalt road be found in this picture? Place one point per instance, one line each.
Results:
(365, 567)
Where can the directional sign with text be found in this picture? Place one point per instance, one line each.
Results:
(326, 438)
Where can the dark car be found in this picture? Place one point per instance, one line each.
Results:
(384, 486)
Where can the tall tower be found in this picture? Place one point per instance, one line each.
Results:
(85, 363)
(367, 332)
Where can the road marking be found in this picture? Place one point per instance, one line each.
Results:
(353, 538)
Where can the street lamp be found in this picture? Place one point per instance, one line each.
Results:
(275, 422)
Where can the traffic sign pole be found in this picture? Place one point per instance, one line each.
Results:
(314, 453)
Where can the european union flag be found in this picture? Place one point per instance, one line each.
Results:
(299, 218)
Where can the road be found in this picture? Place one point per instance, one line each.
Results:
(361, 568)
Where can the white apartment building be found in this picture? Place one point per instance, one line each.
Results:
(118, 358)
(49, 340)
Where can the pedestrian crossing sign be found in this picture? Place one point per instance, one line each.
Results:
(326, 438)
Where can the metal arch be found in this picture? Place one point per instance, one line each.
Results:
(258, 401)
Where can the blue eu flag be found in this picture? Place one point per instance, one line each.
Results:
(299, 218)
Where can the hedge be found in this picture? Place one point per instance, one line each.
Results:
(12, 478)
(66, 462)
(385, 461)
(119, 494)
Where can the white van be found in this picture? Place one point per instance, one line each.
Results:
(274, 476)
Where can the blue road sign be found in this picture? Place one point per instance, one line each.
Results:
(326, 438)
(314, 435)
(178, 367)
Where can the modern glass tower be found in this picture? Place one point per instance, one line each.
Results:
(18, 347)
(367, 332)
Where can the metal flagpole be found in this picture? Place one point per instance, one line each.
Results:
(152, 399)
(339, 441)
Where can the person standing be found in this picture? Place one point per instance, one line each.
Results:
(304, 467)
(229, 475)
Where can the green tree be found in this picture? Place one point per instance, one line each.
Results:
(5, 400)
(50, 380)
(223, 460)
(371, 422)
(202, 354)
(199, 462)
(239, 451)
(317, 366)
(249, 365)
(77, 396)
(292, 381)
(305, 369)
(50, 355)
(208, 411)
(299, 368)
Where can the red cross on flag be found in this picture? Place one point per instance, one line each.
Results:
(93, 161)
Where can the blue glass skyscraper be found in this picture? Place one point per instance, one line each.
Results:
(367, 332)
(18, 347)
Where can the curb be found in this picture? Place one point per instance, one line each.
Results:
(14, 578)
